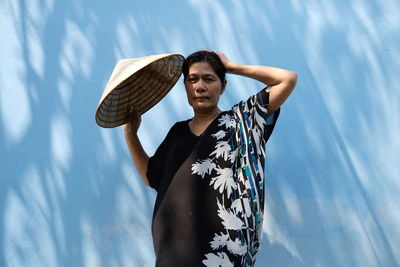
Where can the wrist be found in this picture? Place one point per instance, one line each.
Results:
(129, 132)
(231, 67)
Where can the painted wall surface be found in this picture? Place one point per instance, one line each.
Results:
(69, 193)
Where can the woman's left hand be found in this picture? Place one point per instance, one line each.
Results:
(227, 63)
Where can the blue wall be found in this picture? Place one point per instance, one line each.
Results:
(69, 193)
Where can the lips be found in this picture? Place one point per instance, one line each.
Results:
(201, 98)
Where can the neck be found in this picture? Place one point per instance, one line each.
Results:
(201, 118)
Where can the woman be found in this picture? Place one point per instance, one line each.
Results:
(209, 170)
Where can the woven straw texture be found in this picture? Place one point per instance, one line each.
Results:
(136, 85)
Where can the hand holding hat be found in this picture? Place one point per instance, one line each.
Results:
(136, 85)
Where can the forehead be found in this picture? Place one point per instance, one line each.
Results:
(201, 68)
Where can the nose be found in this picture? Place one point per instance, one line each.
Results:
(200, 86)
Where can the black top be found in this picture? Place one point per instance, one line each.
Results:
(176, 147)
(210, 200)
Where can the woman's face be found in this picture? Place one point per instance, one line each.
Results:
(203, 87)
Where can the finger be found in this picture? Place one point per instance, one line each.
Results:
(209, 50)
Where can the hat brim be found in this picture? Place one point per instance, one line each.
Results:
(135, 86)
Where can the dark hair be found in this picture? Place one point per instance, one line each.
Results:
(204, 56)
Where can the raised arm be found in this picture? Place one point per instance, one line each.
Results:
(138, 155)
(281, 82)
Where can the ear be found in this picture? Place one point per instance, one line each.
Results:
(223, 86)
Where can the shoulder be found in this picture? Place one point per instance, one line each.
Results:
(257, 103)
(179, 124)
(178, 127)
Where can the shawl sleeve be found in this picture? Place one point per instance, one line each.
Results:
(255, 108)
(156, 162)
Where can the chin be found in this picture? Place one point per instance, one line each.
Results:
(203, 109)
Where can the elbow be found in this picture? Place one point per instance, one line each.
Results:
(292, 78)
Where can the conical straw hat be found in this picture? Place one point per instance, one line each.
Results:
(136, 85)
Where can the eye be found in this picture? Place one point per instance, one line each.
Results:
(191, 79)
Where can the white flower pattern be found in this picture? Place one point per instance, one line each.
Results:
(226, 121)
(224, 181)
(217, 260)
(235, 247)
(219, 241)
(237, 206)
(233, 156)
(203, 167)
(220, 134)
(229, 218)
(222, 149)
